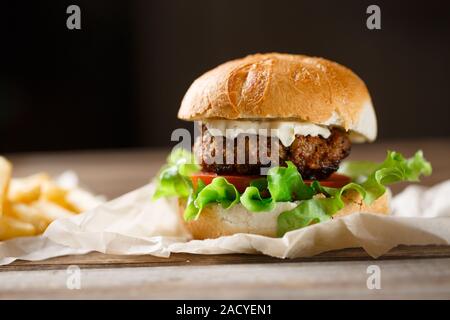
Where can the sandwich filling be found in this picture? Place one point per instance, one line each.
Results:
(305, 202)
(240, 149)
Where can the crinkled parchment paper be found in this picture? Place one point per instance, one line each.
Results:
(133, 224)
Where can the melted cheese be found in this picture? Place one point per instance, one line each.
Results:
(283, 130)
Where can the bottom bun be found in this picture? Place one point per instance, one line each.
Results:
(214, 221)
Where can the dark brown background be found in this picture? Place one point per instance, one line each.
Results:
(118, 82)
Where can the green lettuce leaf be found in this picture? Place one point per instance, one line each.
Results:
(395, 168)
(358, 170)
(192, 212)
(218, 191)
(306, 213)
(173, 178)
(252, 201)
(286, 184)
(416, 165)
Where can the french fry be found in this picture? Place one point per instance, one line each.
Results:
(5, 177)
(51, 210)
(29, 214)
(12, 228)
(27, 190)
(52, 192)
(28, 205)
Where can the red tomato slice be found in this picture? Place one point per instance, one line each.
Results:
(240, 182)
(336, 180)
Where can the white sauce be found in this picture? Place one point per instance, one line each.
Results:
(283, 130)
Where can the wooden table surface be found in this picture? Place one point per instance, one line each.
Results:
(406, 272)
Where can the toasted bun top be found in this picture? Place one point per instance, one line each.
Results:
(283, 86)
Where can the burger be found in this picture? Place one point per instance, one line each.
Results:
(273, 132)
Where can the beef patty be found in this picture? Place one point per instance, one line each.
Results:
(315, 157)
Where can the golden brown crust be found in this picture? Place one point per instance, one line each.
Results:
(278, 86)
(354, 203)
(213, 224)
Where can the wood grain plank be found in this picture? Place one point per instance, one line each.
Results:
(400, 279)
(99, 260)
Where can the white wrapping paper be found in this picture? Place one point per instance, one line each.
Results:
(133, 224)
